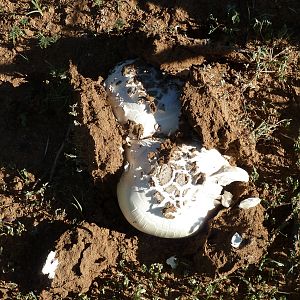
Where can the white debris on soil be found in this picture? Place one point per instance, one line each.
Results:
(249, 202)
(172, 262)
(236, 240)
(226, 199)
(50, 265)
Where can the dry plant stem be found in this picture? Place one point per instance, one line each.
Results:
(282, 226)
(59, 152)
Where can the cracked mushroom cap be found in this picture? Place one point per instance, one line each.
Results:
(172, 199)
(138, 92)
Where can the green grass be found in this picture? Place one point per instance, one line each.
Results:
(12, 228)
(119, 25)
(15, 34)
(46, 41)
(268, 59)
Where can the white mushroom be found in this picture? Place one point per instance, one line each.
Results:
(139, 93)
(170, 199)
(173, 199)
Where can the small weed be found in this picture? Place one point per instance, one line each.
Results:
(15, 33)
(144, 268)
(293, 183)
(297, 144)
(29, 296)
(210, 290)
(297, 150)
(126, 281)
(37, 8)
(17, 30)
(46, 41)
(24, 21)
(139, 292)
(229, 27)
(122, 263)
(155, 270)
(24, 175)
(263, 28)
(13, 229)
(254, 176)
(119, 25)
(60, 74)
(233, 15)
(39, 192)
(267, 61)
(265, 130)
(98, 3)
(83, 297)
(73, 110)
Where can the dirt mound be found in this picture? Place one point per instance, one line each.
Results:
(97, 134)
(83, 254)
(248, 223)
(213, 102)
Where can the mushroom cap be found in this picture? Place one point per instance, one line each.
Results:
(140, 93)
(173, 199)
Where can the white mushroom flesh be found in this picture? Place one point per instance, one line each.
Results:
(50, 265)
(139, 93)
(173, 199)
(249, 203)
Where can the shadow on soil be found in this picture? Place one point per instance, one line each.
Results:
(281, 13)
(23, 256)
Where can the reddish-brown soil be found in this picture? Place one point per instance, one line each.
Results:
(61, 147)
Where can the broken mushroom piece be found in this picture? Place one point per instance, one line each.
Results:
(50, 265)
(249, 203)
(172, 199)
(138, 92)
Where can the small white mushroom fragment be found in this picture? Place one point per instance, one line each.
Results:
(172, 199)
(50, 265)
(249, 203)
(172, 262)
(140, 93)
(236, 240)
(226, 199)
(228, 174)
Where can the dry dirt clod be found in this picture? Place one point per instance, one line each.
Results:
(84, 253)
(214, 108)
(249, 225)
(98, 136)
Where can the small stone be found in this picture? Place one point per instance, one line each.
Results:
(172, 262)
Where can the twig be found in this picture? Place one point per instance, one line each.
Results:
(58, 153)
(283, 225)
